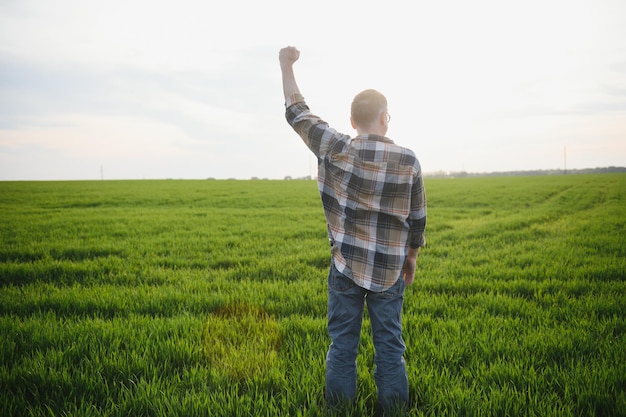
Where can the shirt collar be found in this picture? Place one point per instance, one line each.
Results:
(373, 137)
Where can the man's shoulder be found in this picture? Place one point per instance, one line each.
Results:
(406, 155)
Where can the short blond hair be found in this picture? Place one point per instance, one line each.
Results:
(367, 106)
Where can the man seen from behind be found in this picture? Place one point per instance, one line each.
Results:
(374, 201)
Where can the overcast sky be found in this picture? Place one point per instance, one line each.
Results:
(191, 89)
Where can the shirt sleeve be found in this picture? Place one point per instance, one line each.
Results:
(315, 132)
(417, 216)
(293, 99)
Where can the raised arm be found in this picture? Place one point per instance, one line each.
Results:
(287, 57)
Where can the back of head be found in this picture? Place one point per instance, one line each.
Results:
(367, 106)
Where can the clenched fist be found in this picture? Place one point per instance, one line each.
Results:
(288, 55)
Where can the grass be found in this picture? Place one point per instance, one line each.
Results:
(208, 298)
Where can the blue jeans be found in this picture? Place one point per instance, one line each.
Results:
(346, 303)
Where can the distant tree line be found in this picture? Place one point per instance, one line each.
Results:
(462, 174)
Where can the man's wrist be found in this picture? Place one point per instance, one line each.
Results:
(286, 66)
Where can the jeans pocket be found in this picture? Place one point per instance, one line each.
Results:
(339, 282)
(396, 290)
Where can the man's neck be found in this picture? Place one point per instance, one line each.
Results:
(382, 131)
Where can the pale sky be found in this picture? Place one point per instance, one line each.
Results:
(191, 89)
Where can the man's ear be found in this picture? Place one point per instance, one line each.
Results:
(352, 123)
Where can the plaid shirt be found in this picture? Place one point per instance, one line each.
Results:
(373, 197)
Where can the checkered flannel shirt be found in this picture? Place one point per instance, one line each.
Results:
(373, 198)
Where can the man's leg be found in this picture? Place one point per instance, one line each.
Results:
(345, 315)
(385, 310)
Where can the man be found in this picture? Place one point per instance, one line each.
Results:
(375, 207)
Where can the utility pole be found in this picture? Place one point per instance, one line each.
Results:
(101, 173)
(565, 159)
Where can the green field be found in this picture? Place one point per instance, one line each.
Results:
(208, 298)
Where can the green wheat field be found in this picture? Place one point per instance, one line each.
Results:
(208, 298)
